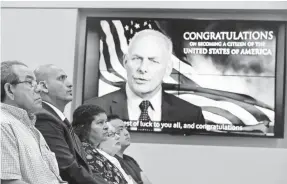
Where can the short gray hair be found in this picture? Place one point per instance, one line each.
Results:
(152, 32)
(7, 75)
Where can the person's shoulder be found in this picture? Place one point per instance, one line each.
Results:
(5, 118)
(9, 124)
(8, 120)
(105, 98)
(127, 157)
(176, 101)
(131, 159)
(43, 116)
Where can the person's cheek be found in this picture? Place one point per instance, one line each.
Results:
(96, 131)
(122, 137)
(128, 68)
(111, 145)
(101, 132)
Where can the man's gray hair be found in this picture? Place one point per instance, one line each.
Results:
(151, 32)
(7, 75)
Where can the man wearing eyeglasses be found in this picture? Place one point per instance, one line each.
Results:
(130, 166)
(25, 155)
(109, 147)
(56, 92)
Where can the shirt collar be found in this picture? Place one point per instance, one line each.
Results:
(58, 112)
(19, 113)
(135, 100)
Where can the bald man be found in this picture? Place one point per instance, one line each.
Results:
(56, 129)
(147, 62)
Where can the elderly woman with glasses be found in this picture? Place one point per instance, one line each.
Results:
(100, 143)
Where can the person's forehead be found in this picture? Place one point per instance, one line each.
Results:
(23, 72)
(117, 122)
(149, 45)
(100, 116)
(55, 71)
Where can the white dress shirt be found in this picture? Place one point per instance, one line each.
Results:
(133, 102)
(58, 112)
(117, 164)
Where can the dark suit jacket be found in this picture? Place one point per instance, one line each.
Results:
(70, 157)
(173, 108)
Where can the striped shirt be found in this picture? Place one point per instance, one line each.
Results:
(25, 154)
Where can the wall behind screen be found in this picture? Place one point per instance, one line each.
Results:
(165, 159)
(40, 36)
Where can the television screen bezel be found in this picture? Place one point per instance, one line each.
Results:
(258, 15)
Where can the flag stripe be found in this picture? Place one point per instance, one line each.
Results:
(235, 96)
(120, 32)
(209, 116)
(103, 68)
(269, 113)
(224, 113)
(257, 113)
(109, 52)
(236, 110)
(105, 88)
(116, 38)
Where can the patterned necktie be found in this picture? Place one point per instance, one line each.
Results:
(144, 105)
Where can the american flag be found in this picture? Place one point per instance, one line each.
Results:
(219, 107)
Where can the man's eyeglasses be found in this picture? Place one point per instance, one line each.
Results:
(112, 134)
(32, 83)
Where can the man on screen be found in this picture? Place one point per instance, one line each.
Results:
(147, 62)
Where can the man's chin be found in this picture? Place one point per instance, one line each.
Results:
(142, 91)
(127, 144)
(69, 99)
(38, 103)
(37, 107)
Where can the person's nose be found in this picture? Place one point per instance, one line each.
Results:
(105, 127)
(143, 67)
(126, 132)
(38, 88)
(69, 84)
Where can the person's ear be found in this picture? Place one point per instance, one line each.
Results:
(125, 60)
(169, 67)
(44, 86)
(9, 90)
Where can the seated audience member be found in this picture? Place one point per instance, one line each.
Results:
(89, 122)
(110, 147)
(51, 121)
(25, 155)
(130, 166)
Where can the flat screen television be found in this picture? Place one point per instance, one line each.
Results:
(227, 72)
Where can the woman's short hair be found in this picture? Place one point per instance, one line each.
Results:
(83, 117)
